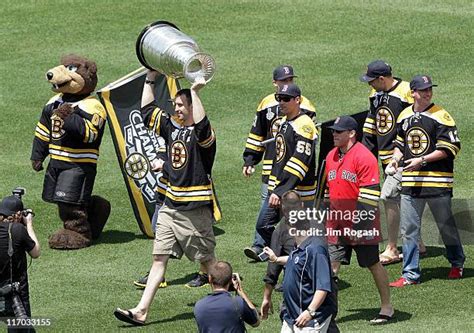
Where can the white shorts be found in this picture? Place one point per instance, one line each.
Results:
(317, 328)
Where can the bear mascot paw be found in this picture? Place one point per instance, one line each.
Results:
(64, 111)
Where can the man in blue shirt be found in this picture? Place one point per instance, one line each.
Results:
(308, 288)
(220, 311)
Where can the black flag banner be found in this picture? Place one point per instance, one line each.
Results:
(327, 143)
(135, 145)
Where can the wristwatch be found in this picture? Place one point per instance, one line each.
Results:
(312, 313)
(423, 161)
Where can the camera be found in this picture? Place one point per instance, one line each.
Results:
(263, 256)
(235, 277)
(27, 212)
(19, 192)
(13, 290)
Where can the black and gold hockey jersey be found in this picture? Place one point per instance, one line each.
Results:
(380, 125)
(73, 141)
(191, 152)
(294, 162)
(420, 133)
(265, 126)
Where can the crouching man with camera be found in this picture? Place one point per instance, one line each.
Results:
(17, 238)
(220, 311)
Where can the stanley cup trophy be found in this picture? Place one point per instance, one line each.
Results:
(163, 47)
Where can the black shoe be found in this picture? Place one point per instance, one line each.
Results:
(200, 280)
(252, 253)
(141, 282)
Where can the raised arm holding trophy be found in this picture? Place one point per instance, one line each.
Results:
(185, 220)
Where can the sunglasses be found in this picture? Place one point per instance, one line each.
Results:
(338, 132)
(283, 98)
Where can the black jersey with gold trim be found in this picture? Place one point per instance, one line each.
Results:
(72, 141)
(265, 126)
(294, 162)
(191, 152)
(420, 133)
(380, 125)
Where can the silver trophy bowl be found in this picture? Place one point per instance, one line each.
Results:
(161, 46)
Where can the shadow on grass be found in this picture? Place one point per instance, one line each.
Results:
(341, 285)
(181, 316)
(368, 314)
(218, 231)
(441, 273)
(182, 280)
(434, 251)
(117, 236)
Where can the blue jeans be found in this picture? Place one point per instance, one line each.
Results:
(411, 212)
(269, 217)
(258, 241)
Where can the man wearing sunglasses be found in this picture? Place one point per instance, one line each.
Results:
(293, 166)
(264, 128)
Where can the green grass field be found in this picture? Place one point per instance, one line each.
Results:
(328, 42)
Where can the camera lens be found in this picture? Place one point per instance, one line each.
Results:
(17, 304)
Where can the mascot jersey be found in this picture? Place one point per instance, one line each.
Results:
(70, 142)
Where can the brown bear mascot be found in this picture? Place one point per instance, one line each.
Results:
(70, 131)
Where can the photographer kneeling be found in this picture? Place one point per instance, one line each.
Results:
(16, 238)
(220, 311)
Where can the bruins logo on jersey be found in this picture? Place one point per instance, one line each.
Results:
(57, 127)
(384, 120)
(179, 155)
(418, 141)
(275, 126)
(280, 147)
(308, 129)
(136, 166)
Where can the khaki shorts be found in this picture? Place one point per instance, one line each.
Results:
(189, 232)
(392, 187)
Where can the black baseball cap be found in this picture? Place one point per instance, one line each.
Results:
(421, 82)
(10, 205)
(289, 89)
(375, 69)
(283, 72)
(344, 123)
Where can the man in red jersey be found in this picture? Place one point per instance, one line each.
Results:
(352, 220)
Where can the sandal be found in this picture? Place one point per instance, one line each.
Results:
(127, 317)
(388, 260)
(381, 319)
